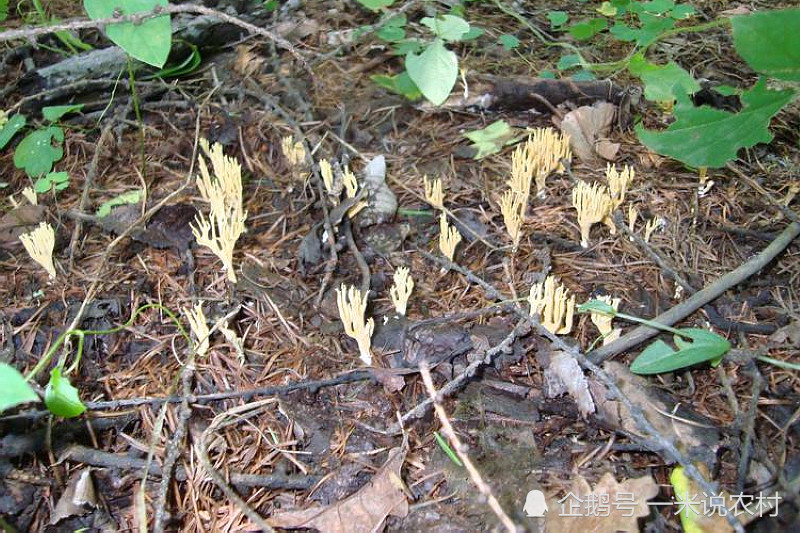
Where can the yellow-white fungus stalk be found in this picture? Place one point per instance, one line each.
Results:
(352, 307)
(40, 244)
(449, 237)
(350, 183)
(401, 289)
(199, 326)
(603, 322)
(294, 152)
(30, 195)
(593, 204)
(555, 309)
(225, 223)
(618, 183)
(434, 193)
(326, 170)
(511, 207)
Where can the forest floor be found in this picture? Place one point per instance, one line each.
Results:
(281, 421)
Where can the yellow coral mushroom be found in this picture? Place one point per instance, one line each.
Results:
(593, 204)
(511, 207)
(449, 237)
(555, 310)
(434, 194)
(40, 244)
(352, 307)
(225, 224)
(603, 322)
(294, 152)
(401, 289)
(617, 189)
(199, 326)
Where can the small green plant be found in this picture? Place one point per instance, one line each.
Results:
(41, 148)
(449, 452)
(61, 397)
(694, 345)
(431, 68)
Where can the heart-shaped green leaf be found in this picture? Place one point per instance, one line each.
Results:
(447, 27)
(37, 152)
(149, 41)
(55, 112)
(14, 390)
(434, 71)
(61, 397)
(659, 357)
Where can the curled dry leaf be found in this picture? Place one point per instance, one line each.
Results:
(690, 432)
(588, 128)
(626, 502)
(382, 202)
(363, 512)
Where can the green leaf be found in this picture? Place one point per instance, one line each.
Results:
(14, 390)
(557, 18)
(270, 5)
(583, 75)
(53, 113)
(61, 397)
(597, 306)
(547, 74)
(508, 41)
(37, 153)
(652, 27)
(588, 28)
(400, 84)
(568, 61)
(407, 46)
(473, 33)
(681, 12)
(708, 137)
(149, 41)
(660, 357)
(492, 138)
(187, 66)
(770, 42)
(657, 7)
(376, 5)
(3, 10)
(623, 32)
(662, 82)
(57, 180)
(10, 128)
(447, 27)
(434, 71)
(130, 197)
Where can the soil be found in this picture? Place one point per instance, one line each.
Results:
(282, 414)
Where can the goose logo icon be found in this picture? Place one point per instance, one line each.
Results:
(535, 506)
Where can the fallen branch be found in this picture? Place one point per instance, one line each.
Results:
(699, 299)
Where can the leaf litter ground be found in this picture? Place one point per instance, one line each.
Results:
(320, 446)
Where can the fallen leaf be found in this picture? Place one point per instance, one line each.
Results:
(78, 498)
(363, 512)
(789, 333)
(588, 128)
(690, 432)
(617, 506)
(21, 219)
(563, 374)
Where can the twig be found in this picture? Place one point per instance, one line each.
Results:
(708, 294)
(750, 182)
(748, 426)
(201, 448)
(459, 381)
(461, 451)
(671, 272)
(363, 267)
(31, 33)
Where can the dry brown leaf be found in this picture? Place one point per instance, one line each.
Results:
(78, 498)
(790, 333)
(588, 128)
(363, 512)
(610, 508)
(563, 374)
(689, 431)
(19, 220)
